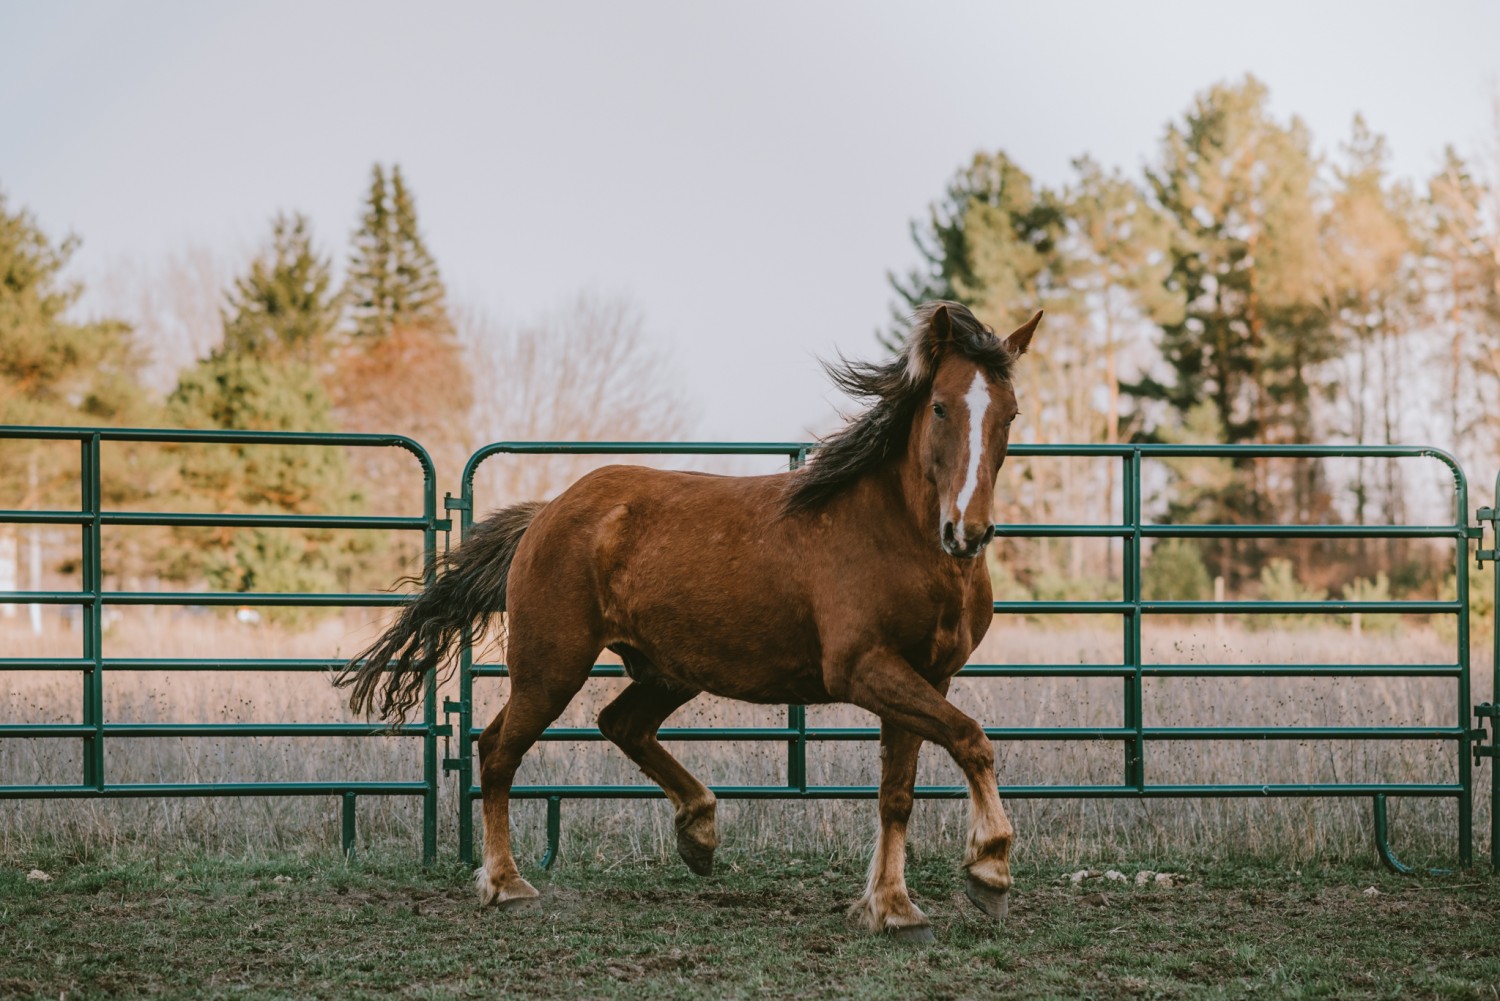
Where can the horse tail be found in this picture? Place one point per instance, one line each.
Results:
(468, 588)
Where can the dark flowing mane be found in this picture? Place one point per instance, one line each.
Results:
(896, 388)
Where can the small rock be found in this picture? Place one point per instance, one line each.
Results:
(1143, 877)
(1077, 878)
(1115, 876)
(37, 876)
(282, 879)
(1370, 892)
(1166, 880)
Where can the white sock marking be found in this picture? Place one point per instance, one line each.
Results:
(977, 399)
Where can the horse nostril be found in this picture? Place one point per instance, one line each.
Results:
(949, 539)
(989, 535)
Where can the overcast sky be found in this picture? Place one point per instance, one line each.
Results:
(745, 172)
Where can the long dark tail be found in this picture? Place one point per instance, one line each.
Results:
(468, 590)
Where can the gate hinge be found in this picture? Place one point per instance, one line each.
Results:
(452, 503)
(449, 708)
(1482, 750)
(1481, 556)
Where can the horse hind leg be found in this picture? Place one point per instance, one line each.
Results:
(631, 722)
(543, 682)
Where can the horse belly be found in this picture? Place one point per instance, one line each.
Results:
(732, 629)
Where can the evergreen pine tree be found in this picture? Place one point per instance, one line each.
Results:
(263, 377)
(1238, 189)
(402, 370)
(419, 298)
(368, 288)
(54, 370)
(987, 244)
(284, 308)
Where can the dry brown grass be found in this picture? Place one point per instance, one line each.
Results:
(1065, 829)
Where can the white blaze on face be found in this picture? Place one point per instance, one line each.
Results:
(976, 401)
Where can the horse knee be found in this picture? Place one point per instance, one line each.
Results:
(973, 751)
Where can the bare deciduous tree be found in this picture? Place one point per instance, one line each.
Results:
(583, 372)
(175, 306)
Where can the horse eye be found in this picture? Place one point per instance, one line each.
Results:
(939, 411)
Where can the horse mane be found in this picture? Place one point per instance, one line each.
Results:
(896, 388)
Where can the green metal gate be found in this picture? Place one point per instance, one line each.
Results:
(94, 665)
(1134, 736)
(1470, 744)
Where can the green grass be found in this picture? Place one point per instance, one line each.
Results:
(191, 925)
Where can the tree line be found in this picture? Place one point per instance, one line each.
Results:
(1242, 289)
(294, 353)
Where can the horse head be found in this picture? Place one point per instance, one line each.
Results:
(962, 434)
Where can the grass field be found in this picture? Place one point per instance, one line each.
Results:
(234, 898)
(768, 925)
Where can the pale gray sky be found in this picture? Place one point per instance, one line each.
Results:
(746, 172)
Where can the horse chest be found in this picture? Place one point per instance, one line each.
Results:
(937, 632)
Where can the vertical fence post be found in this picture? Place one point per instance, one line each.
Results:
(93, 613)
(796, 716)
(1465, 705)
(465, 508)
(1135, 750)
(429, 703)
(346, 825)
(1495, 690)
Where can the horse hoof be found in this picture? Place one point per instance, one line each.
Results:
(912, 934)
(519, 904)
(995, 903)
(512, 894)
(698, 858)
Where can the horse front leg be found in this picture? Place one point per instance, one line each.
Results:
(886, 905)
(886, 685)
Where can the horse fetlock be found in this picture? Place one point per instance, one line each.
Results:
(504, 891)
(982, 848)
(992, 872)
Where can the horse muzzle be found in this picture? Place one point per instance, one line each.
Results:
(968, 542)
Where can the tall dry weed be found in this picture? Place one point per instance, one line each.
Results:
(1065, 829)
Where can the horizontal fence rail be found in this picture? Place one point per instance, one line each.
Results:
(95, 665)
(1132, 734)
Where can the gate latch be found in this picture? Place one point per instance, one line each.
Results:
(1482, 750)
(1482, 515)
(451, 707)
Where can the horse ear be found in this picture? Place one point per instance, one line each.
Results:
(1018, 342)
(942, 326)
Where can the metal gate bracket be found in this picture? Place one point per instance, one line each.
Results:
(451, 707)
(1483, 711)
(1482, 515)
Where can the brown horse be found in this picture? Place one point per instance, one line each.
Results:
(854, 579)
